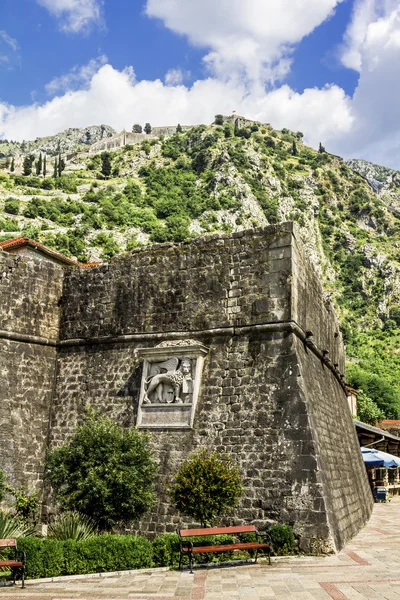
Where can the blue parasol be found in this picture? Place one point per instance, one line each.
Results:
(377, 458)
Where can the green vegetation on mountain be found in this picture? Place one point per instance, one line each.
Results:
(219, 178)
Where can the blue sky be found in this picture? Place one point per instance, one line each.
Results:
(327, 67)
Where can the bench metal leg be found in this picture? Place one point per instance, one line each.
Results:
(256, 556)
(191, 561)
(23, 578)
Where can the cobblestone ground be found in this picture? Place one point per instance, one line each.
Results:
(367, 569)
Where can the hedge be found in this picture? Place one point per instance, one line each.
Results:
(100, 554)
(107, 553)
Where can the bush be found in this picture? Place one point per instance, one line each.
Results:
(48, 183)
(11, 206)
(166, 549)
(206, 487)
(12, 527)
(99, 554)
(282, 538)
(72, 526)
(105, 472)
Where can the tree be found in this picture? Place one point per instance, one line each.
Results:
(12, 168)
(147, 129)
(106, 166)
(55, 170)
(39, 165)
(294, 148)
(27, 165)
(367, 410)
(105, 472)
(61, 165)
(137, 128)
(45, 166)
(219, 119)
(179, 128)
(206, 487)
(321, 148)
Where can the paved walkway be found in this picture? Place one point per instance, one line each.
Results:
(367, 569)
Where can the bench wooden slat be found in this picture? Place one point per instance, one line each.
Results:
(8, 543)
(226, 547)
(218, 531)
(10, 563)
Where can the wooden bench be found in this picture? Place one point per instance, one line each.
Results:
(17, 563)
(187, 548)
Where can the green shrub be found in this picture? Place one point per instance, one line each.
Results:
(72, 525)
(282, 537)
(44, 558)
(9, 225)
(166, 550)
(48, 183)
(12, 527)
(11, 206)
(99, 554)
(105, 472)
(206, 487)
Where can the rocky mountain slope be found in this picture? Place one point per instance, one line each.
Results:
(70, 140)
(217, 178)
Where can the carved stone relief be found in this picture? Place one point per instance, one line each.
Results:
(170, 383)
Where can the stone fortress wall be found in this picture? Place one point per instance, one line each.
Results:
(270, 394)
(125, 138)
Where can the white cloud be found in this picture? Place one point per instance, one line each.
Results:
(375, 134)
(176, 76)
(8, 40)
(116, 98)
(254, 36)
(366, 125)
(75, 16)
(77, 77)
(365, 14)
(9, 47)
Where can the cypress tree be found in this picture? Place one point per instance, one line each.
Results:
(179, 128)
(12, 168)
(45, 166)
(106, 164)
(39, 165)
(61, 165)
(55, 172)
(27, 165)
(294, 148)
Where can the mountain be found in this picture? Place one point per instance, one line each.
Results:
(226, 178)
(70, 140)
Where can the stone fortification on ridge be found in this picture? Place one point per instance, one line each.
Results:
(230, 314)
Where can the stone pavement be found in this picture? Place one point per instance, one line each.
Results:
(367, 569)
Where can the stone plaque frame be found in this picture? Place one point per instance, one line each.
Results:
(173, 415)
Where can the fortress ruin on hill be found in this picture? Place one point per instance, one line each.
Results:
(255, 362)
(125, 138)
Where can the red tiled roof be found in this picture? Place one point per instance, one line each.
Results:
(24, 241)
(390, 422)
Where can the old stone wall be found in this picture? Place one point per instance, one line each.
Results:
(269, 395)
(30, 292)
